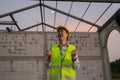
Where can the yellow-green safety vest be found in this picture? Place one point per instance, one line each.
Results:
(62, 65)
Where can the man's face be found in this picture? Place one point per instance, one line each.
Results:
(62, 34)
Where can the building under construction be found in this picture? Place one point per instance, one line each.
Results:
(23, 44)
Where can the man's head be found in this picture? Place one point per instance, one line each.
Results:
(63, 32)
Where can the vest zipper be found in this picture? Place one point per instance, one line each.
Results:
(61, 68)
(61, 63)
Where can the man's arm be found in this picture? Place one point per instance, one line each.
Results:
(76, 63)
(75, 59)
(49, 55)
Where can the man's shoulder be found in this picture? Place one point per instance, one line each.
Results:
(72, 45)
(54, 45)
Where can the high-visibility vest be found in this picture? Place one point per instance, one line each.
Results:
(62, 67)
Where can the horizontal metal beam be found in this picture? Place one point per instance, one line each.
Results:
(100, 1)
(103, 1)
(38, 25)
(31, 27)
(7, 23)
(72, 16)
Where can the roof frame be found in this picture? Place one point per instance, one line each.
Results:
(19, 10)
(7, 23)
(83, 16)
(101, 15)
(15, 22)
(56, 10)
(41, 4)
(31, 27)
(49, 26)
(109, 21)
(70, 15)
(102, 1)
(38, 25)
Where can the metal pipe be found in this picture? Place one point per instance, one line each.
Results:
(15, 22)
(100, 1)
(31, 27)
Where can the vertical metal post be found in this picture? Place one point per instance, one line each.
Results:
(45, 42)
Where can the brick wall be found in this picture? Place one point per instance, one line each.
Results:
(22, 55)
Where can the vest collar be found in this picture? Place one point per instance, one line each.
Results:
(67, 44)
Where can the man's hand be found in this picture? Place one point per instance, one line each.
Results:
(49, 54)
(74, 53)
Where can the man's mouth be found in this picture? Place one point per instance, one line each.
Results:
(60, 36)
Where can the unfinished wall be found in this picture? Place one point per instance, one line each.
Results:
(104, 38)
(22, 55)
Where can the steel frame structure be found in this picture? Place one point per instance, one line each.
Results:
(103, 1)
(42, 6)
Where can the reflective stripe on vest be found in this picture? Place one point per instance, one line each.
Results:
(62, 66)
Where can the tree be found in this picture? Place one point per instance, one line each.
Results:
(115, 69)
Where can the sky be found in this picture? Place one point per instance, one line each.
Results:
(32, 16)
(113, 45)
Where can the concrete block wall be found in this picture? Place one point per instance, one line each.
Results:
(19, 44)
(22, 55)
(104, 38)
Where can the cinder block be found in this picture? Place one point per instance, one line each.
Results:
(5, 66)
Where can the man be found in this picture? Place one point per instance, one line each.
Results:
(62, 57)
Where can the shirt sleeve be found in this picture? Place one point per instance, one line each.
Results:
(48, 64)
(77, 63)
